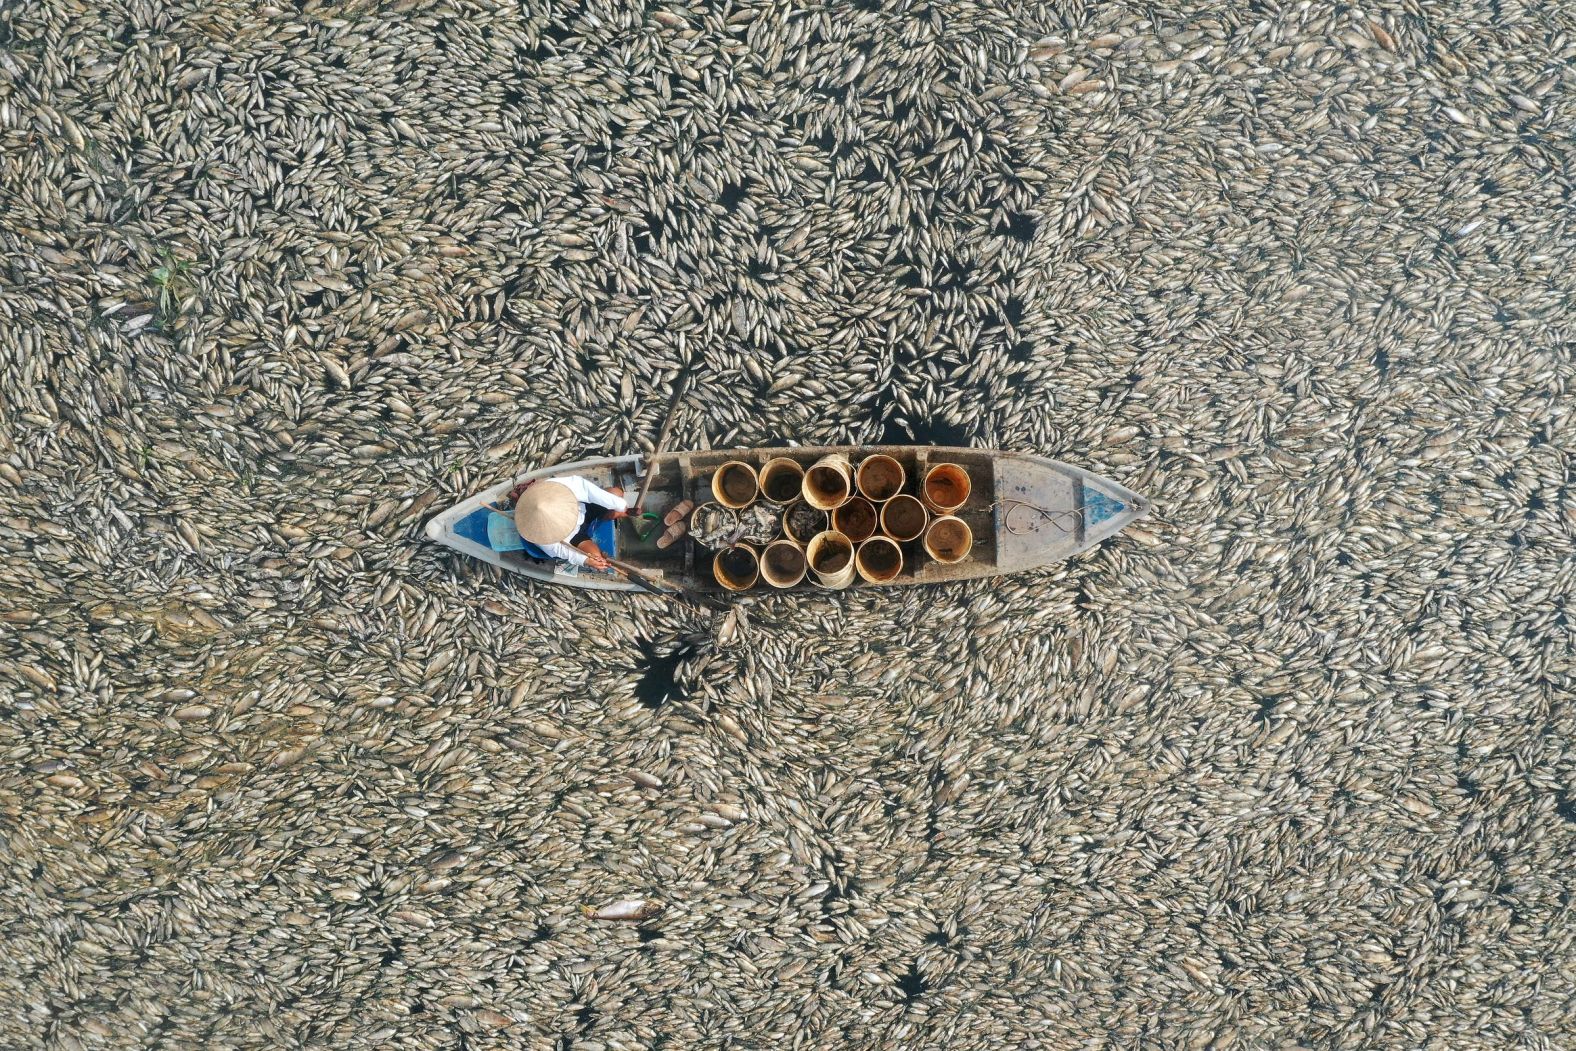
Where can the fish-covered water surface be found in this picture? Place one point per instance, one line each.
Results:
(1290, 763)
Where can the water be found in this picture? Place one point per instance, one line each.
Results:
(658, 683)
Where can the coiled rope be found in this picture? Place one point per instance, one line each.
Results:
(1056, 518)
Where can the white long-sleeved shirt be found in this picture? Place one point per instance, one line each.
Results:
(586, 493)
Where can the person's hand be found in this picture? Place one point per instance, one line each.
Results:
(619, 514)
(598, 561)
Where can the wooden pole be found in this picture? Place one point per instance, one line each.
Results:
(662, 439)
(671, 589)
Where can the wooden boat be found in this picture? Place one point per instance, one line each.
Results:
(1025, 511)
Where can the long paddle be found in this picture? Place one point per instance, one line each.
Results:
(662, 441)
(668, 588)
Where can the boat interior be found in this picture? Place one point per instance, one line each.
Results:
(688, 476)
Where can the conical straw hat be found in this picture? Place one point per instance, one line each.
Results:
(547, 513)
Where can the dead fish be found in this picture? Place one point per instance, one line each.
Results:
(631, 910)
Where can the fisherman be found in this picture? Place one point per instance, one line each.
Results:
(557, 516)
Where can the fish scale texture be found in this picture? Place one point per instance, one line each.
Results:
(1288, 764)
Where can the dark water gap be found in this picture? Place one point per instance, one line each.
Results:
(659, 675)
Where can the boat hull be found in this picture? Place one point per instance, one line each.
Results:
(1024, 511)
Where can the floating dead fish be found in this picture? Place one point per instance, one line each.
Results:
(630, 909)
